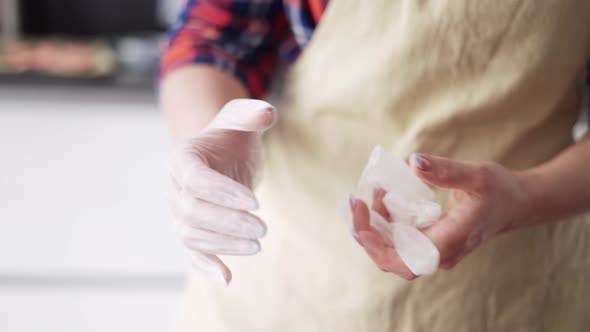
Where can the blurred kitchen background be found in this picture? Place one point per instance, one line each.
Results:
(86, 243)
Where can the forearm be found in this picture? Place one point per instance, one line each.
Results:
(192, 95)
(559, 188)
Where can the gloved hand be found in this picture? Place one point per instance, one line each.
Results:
(212, 176)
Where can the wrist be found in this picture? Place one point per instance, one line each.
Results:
(192, 96)
(534, 207)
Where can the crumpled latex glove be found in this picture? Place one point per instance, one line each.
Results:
(212, 176)
(402, 204)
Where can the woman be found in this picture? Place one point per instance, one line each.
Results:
(486, 91)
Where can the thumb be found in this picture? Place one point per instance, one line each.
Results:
(245, 115)
(448, 173)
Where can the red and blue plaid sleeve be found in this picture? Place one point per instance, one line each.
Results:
(238, 36)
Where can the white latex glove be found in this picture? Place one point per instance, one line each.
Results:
(212, 176)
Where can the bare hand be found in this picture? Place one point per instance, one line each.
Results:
(486, 199)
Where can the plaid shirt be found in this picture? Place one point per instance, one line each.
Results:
(242, 37)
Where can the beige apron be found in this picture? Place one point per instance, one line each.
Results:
(486, 79)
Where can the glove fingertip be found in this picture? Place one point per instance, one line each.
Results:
(218, 278)
(212, 268)
(245, 115)
(268, 118)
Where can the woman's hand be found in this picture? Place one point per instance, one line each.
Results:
(486, 199)
(212, 176)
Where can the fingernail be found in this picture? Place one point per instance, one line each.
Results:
(355, 235)
(421, 162)
(359, 241)
(352, 201)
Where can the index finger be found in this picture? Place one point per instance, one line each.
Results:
(378, 205)
(195, 177)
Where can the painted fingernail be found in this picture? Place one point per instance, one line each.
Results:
(355, 235)
(421, 162)
(352, 201)
(360, 242)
